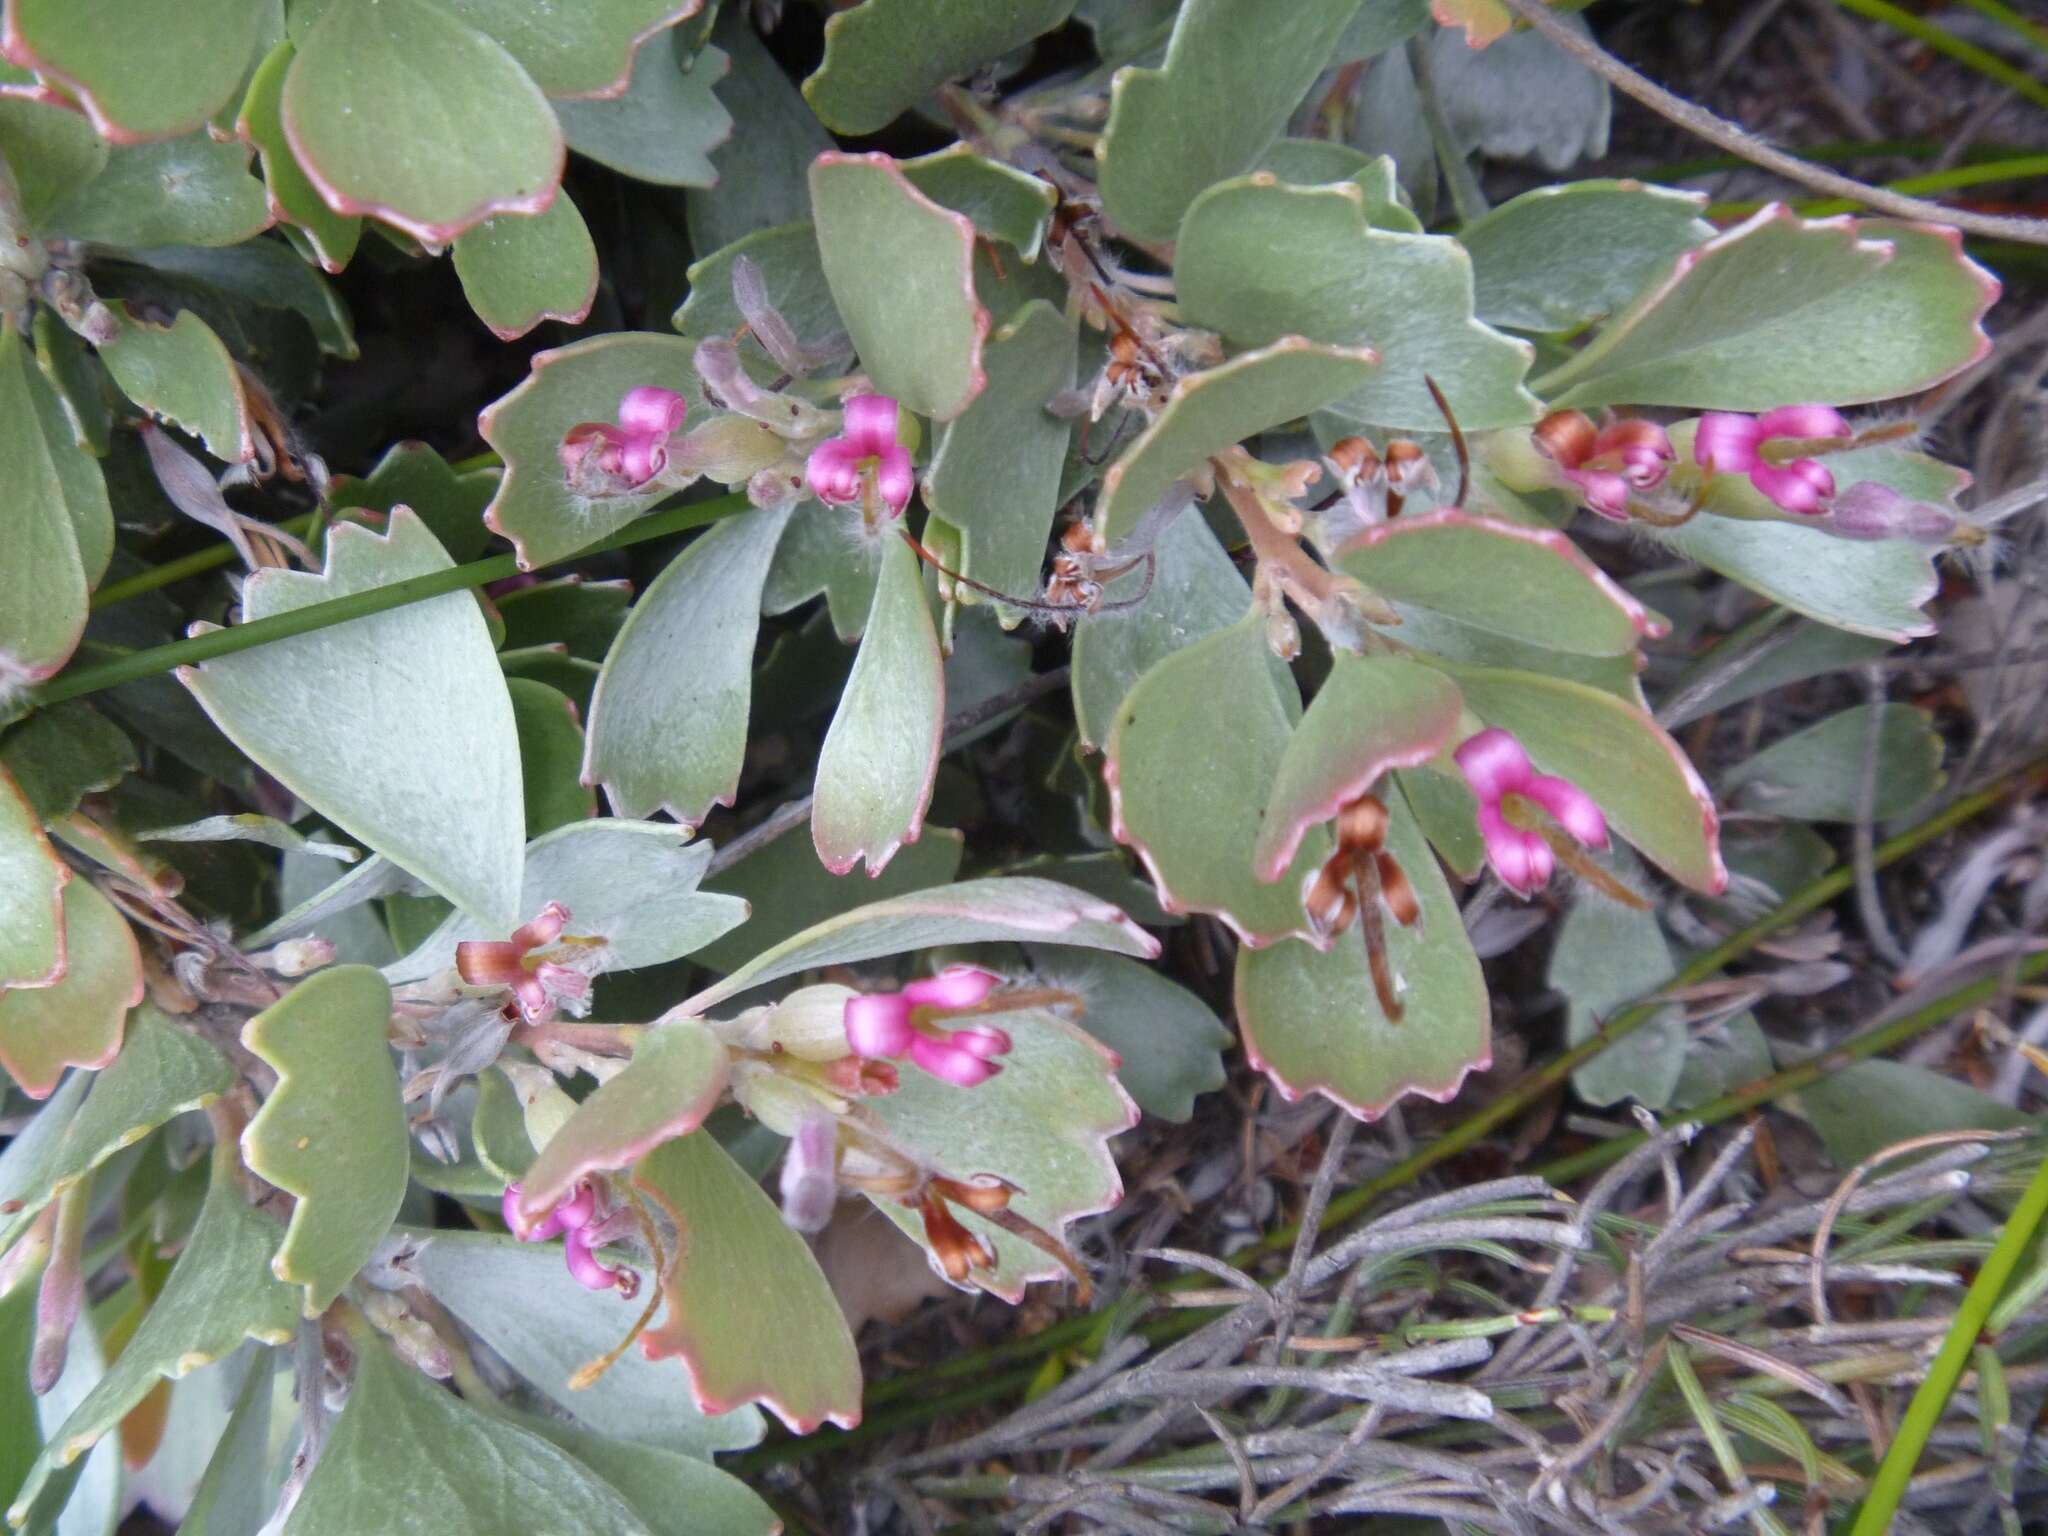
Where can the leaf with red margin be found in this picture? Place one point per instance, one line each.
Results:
(374, 141)
(32, 880)
(520, 269)
(673, 1081)
(1372, 714)
(291, 194)
(580, 51)
(1529, 584)
(1312, 1022)
(42, 575)
(136, 77)
(901, 270)
(75, 1021)
(183, 373)
(750, 1314)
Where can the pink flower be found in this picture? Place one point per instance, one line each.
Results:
(575, 1220)
(1867, 510)
(810, 1175)
(635, 450)
(538, 987)
(1497, 768)
(902, 1024)
(840, 467)
(1729, 444)
(1605, 464)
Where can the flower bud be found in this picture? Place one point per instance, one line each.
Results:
(1868, 510)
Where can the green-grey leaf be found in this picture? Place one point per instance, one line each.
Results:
(665, 126)
(76, 384)
(136, 80)
(1213, 410)
(550, 756)
(250, 828)
(1191, 799)
(1170, 1041)
(1916, 1101)
(1561, 256)
(778, 1337)
(520, 269)
(1312, 1020)
(62, 753)
(1312, 162)
(414, 475)
(996, 475)
(332, 1133)
(586, 50)
(1607, 955)
(333, 236)
(760, 173)
(1812, 650)
(1433, 635)
(1257, 260)
(1005, 203)
(182, 373)
(995, 910)
(1448, 812)
(51, 150)
(792, 271)
(396, 727)
(884, 57)
(32, 880)
(220, 1292)
(583, 616)
(1234, 71)
(397, 110)
(1816, 774)
(901, 270)
(1373, 714)
(668, 722)
(235, 1492)
(881, 753)
(269, 273)
(75, 1021)
(1875, 589)
(407, 1454)
(658, 1482)
(189, 191)
(584, 381)
(1735, 325)
(815, 556)
(43, 579)
(523, 1302)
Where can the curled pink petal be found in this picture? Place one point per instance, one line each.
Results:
(957, 986)
(1643, 467)
(1521, 859)
(1727, 443)
(949, 1063)
(1804, 485)
(982, 1040)
(870, 429)
(591, 1272)
(1570, 807)
(1602, 490)
(643, 456)
(834, 472)
(1803, 421)
(894, 479)
(546, 927)
(578, 1208)
(657, 412)
(1494, 764)
(878, 1024)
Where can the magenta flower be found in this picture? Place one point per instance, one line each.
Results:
(575, 1220)
(840, 467)
(1605, 465)
(904, 1024)
(539, 987)
(1499, 771)
(633, 451)
(1729, 444)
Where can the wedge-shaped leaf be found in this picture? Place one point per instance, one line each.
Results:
(1876, 589)
(816, 556)
(520, 269)
(1234, 72)
(1373, 714)
(1448, 812)
(234, 1493)
(395, 727)
(136, 80)
(1210, 411)
(64, 752)
(590, 50)
(189, 191)
(996, 475)
(162, 1071)
(673, 1081)
(332, 1133)
(1811, 650)
(996, 910)
(749, 1312)
(1168, 1042)
(1427, 631)
(885, 56)
(1258, 260)
(1781, 309)
(1312, 162)
(1816, 774)
(668, 722)
(1529, 584)
(293, 197)
(1005, 203)
(414, 475)
(901, 270)
(32, 881)
(76, 1020)
(397, 110)
(407, 1453)
(1189, 784)
(1312, 1021)
(761, 173)
(658, 1482)
(792, 270)
(584, 616)
(51, 149)
(1196, 591)
(265, 274)
(1608, 955)
(881, 753)
(631, 884)
(1614, 752)
(182, 373)
(1044, 1124)
(220, 1292)
(42, 580)
(1916, 1101)
(523, 1302)
(665, 126)
(1563, 256)
(584, 381)
(550, 756)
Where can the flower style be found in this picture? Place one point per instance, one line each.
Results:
(865, 453)
(576, 1221)
(539, 987)
(628, 454)
(1730, 444)
(1605, 465)
(904, 1024)
(1500, 772)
